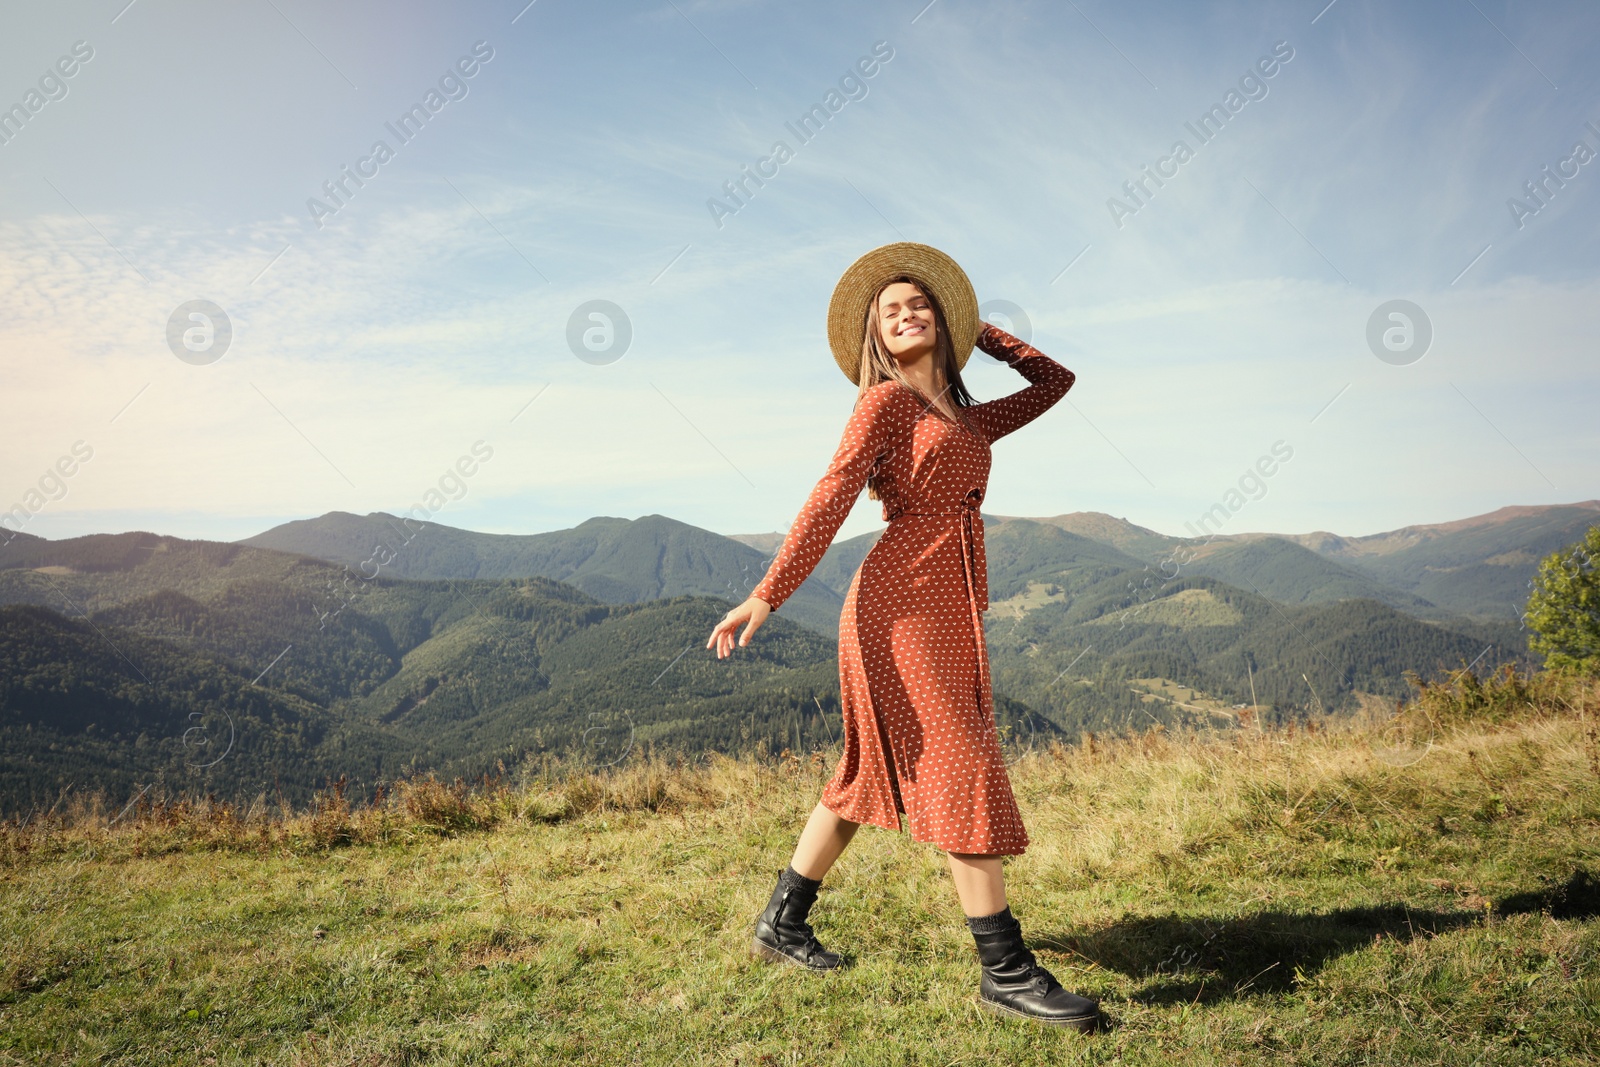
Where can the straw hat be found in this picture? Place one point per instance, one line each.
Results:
(935, 271)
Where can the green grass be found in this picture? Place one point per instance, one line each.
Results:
(1240, 897)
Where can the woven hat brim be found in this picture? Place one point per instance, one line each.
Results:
(847, 310)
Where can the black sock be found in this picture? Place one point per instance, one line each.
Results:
(988, 924)
(796, 880)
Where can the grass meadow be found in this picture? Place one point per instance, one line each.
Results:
(1416, 889)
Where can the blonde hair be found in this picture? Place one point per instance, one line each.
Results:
(879, 365)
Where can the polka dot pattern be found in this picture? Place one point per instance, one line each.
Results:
(919, 729)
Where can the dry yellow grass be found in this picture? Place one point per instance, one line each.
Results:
(1401, 891)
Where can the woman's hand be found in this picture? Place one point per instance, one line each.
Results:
(754, 611)
(990, 337)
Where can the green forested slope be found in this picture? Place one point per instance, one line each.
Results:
(371, 678)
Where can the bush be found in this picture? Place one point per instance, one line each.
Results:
(329, 824)
(1564, 607)
(450, 809)
(1503, 695)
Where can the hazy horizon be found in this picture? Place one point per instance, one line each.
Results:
(765, 533)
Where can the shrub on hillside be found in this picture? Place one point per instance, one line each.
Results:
(1503, 695)
(1564, 608)
(452, 808)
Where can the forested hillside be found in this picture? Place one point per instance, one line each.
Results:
(132, 659)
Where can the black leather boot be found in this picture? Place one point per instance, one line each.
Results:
(782, 934)
(1014, 983)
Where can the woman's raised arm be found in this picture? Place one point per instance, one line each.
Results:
(1049, 383)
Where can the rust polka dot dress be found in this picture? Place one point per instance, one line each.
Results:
(919, 729)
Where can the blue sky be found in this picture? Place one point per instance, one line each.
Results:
(1224, 314)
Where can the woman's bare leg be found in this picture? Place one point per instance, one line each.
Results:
(821, 842)
(980, 882)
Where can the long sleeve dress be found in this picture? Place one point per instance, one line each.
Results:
(919, 728)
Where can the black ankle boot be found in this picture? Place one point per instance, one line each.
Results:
(1014, 983)
(782, 934)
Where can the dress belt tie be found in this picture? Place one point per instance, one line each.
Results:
(969, 564)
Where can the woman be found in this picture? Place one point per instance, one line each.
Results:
(919, 730)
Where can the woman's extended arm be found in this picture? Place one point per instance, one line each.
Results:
(1049, 383)
(886, 414)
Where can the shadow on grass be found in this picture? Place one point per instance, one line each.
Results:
(1204, 960)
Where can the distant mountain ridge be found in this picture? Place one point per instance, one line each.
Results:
(619, 561)
(123, 656)
(1392, 541)
(131, 658)
(1478, 566)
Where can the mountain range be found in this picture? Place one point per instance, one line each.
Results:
(368, 647)
(1476, 567)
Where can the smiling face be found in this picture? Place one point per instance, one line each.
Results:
(906, 320)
